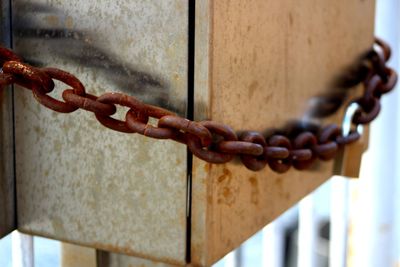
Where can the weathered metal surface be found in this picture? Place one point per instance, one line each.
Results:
(73, 255)
(270, 58)
(106, 259)
(80, 182)
(7, 197)
(239, 70)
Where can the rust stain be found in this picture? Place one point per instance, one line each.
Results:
(290, 19)
(226, 174)
(69, 22)
(252, 88)
(278, 183)
(176, 76)
(228, 188)
(280, 189)
(207, 167)
(209, 199)
(228, 195)
(52, 20)
(268, 98)
(254, 190)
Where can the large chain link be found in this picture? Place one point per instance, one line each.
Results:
(209, 140)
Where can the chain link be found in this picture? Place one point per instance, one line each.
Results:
(211, 141)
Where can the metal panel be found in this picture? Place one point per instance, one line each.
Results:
(78, 181)
(7, 196)
(105, 259)
(73, 255)
(267, 60)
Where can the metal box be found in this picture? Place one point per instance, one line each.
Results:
(254, 65)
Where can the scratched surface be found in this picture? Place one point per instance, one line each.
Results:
(78, 181)
(262, 64)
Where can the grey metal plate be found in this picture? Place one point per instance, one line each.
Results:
(78, 181)
(7, 196)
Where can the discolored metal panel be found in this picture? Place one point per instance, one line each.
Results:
(263, 65)
(78, 181)
(7, 189)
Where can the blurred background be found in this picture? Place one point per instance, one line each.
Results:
(343, 223)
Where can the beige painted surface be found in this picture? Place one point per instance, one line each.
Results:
(266, 61)
(78, 181)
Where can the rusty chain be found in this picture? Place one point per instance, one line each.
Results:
(209, 140)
